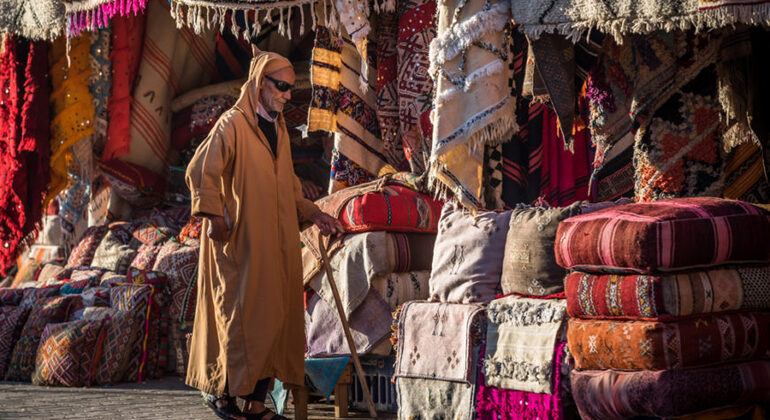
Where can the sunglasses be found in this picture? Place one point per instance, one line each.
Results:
(279, 84)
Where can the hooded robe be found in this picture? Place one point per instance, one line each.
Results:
(249, 317)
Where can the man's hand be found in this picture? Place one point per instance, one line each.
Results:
(328, 225)
(310, 190)
(218, 230)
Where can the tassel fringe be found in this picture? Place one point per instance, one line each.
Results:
(91, 15)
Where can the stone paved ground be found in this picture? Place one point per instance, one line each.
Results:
(166, 398)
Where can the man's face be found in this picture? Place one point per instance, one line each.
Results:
(271, 98)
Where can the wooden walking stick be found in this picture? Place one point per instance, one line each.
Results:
(346, 327)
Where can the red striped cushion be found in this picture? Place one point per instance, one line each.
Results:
(665, 235)
(395, 209)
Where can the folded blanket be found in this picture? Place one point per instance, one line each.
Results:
(399, 288)
(435, 341)
(659, 236)
(434, 399)
(493, 403)
(666, 296)
(690, 343)
(362, 257)
(521, 336)
(610, 395)
(474, 105)
(326, 337)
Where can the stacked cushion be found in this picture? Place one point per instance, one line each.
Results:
(394, 208)
(83, 253)
(652, 293)
(66, 355)
(659, 236)
(12, 320)
(180, 263)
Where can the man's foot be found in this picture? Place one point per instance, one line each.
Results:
(224, 407)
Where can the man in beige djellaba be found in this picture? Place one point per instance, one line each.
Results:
(249, 321)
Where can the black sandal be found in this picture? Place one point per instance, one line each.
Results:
(226, 411)
(260, 416)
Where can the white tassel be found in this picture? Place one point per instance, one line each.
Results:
(288, 22)
(234, 28)
(222, 17)
(257, 25)
(281, 25)
(302, 19)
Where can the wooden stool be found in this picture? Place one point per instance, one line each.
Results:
(340, 396)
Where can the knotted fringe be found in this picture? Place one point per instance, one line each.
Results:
(95, 14)
(201, 16)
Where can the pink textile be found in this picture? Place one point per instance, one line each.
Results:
(493, 403)
(565, 174)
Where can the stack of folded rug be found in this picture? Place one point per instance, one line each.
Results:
(380, 264)
(669, 307)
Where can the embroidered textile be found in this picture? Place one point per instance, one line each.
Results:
(399, 288)
(344, 102)
(521, 338)
(67, 353)
(658, 236)
(41, 20)
(435, 341)
(125, 52)
(72, 105)
(612, 395)
(119, 332)
(10, 297)
(679, 153)
(83, 253)
(633, 79)
(108, 278)
(44, 312)
(474, 103)
(689, 343)
(145, 302)
(52, 272)
(362, 258)
(96, 296)
(346, 173)
(24, 91)
(468, 255)
(33, 294)
(745, 175)
(688, 293)
(146, 256)
(369, 324)
(72, 215)
(393, 208)
(166, 51)
(504, 404)
(148, 233)
(416, 30)
(434, 399)
(12, 320)
(134, 183)
(729, 12)
(387, 88)
(529, 265)
(180, 263)
(614, 178)
(573, 18)
(112, 254)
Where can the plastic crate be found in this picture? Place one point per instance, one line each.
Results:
(378, 373)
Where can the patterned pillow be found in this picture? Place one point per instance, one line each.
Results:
(468, 256)
(135, 183)
(52, 272)
(83, 253)
(33, 294)
(109, 277)
(192, 230)
(394, 208)
(137, 276)
(46, 311)
(529, 266)
(66, 353)
(180, 263)
(146, 256)
(665, 235)
(149, 234)
(113, 254)
(120, 333)
(11, 297)
(135, 299)
(74, 287)
(123, 231)
(12, 319)
(92, 275)
(96, 296)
